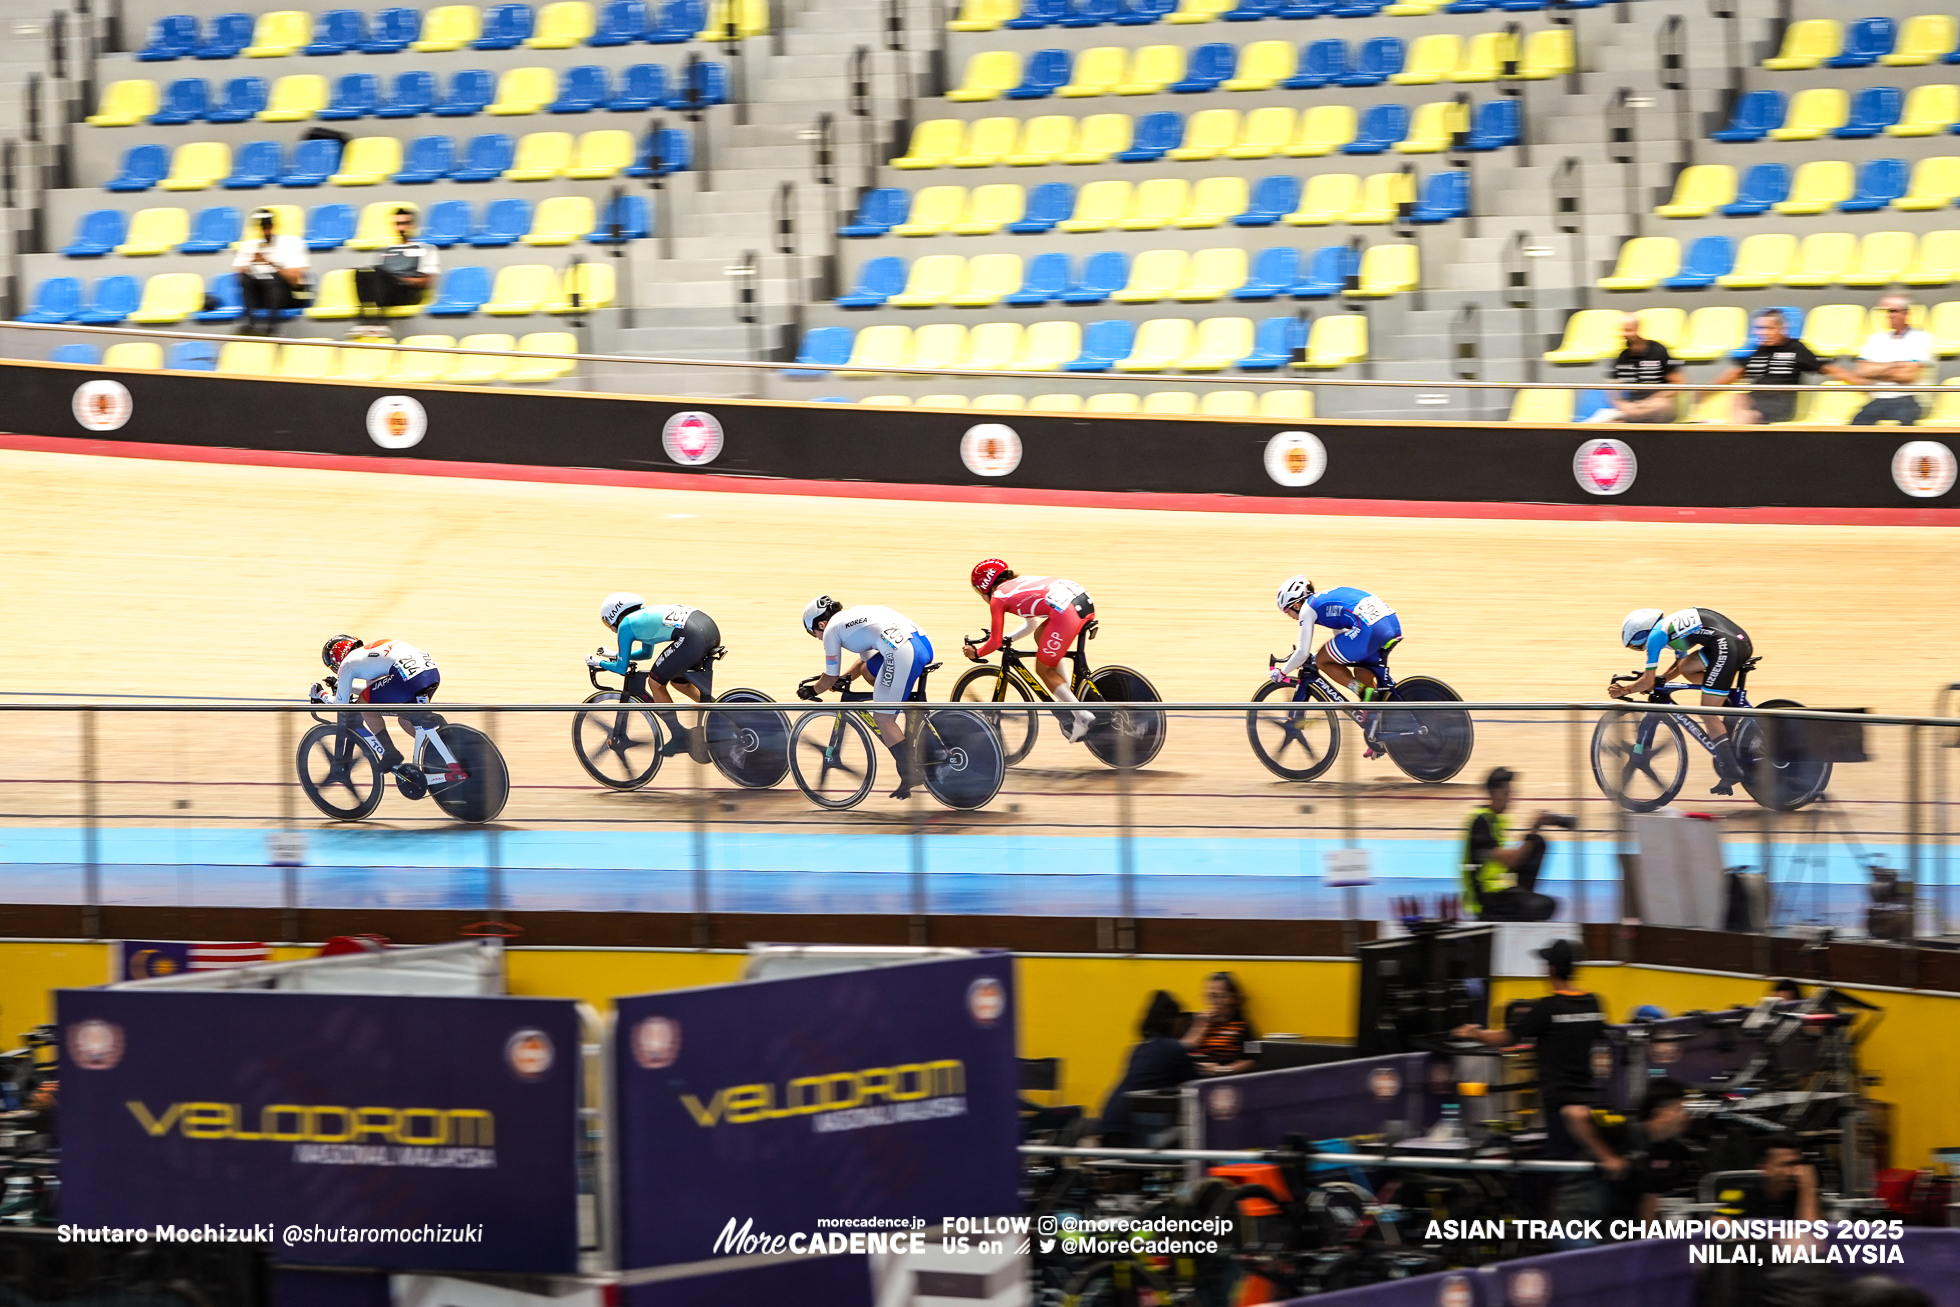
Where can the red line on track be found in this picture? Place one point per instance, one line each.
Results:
(1190, 503)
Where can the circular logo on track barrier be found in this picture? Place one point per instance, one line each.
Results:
(1455, 1292)
(992, 449)
(986, 1000)
(692, 438)
(95, 1045)
(1531, 1287)
(656, 1042)
(1295, 459)
(1223, 1103)
(529, 1053)
(1384, 1082)
(397, 422)
(1923, 469)
(1605, 467)
(103, 405)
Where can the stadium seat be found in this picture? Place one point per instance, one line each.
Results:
(1170, 403)
(1208, 134)
(1434, 128)
(1263, 133)
(587, 286)
(1760, 261)
(1708, 258)
(1272, 198)
(1275, 343)
(929, 281)
(1295, 405)
(1445, 196)
(428, 159)
(330, 226)
(392, 30)
(1590, 336)
(877, 281)
(1338, 340)
(228, 36)
(1485, 56)
(938, 346)
(990, 208)
(988, 76)
(376, 229)
(1044, 73)
(460, 292)
(470, 93)
(1159, 345)
(421, 368)
(1103, 274)
(1033, 14)
(1381, 127)
(641, 87)
(115, 298)
(1699, 190)
(1321, 63)
(336, 32)
(1323, 129)
(173, 36)
(224, 301)
(1496, 125)
(197, 166)
(368, 161)
(677, 22)
(1211, 275)
(601, 155)
(133, 356)
(581, 90)
(1103, 342)
(248, 358)
(193, 356)
(124, 104)
(988, 142)
(1865, 40)
(1117, 402)
(1207, 68)
(699, 85)
(1155, 204)
(1099, 206)
(934, 142)
(540, 157)
(56, 300)
(1764, 185)
(1936, 262)
(1272, 274)
(480, 369)
(504, 223)
(562, 25)
(1153, 275)
(96, 233)
(1881, 260)
(414, 94)
(1156, 135)
(1043, 139)
(242, 99)
(750, 17)
(1835, 330)
(1924, 39)
(505, 26)
(626, 217)
(287, 219)
(1807, 43)
(278, 34)
(1935, 184)
(311, 164)
(1212, 201)
(444, 224)
(1153, 70)
(256, 165)
(878, 212)
(1433, 58)
(1332, 270)
(295, 98)
(1263, 65)
(1047, 205)
(1388, 270)
(1380, 58)
(1382, 197)
(1755, 114)
(934, 211)
(1548, 53)
(1944, 323)
(1055, 404)
(620, 22)
(1044, 279)
(982, 15)
(1197, 11)
(1874, 109)
(306, 361)
(1946, 406)
(561, 220)
(1098, 70)
(155, 231)
(1819, 185)
(1821, 259)
(1813, 113)
(170, 297)
(887, 401)
(184, 101)
(1328, 198)
(486, 158)
(1929, 110)
(1643, 262)
(1099, 138)
(990, 347)
(1880, 182)
(1712, 333)
(522, 91)
(521, 288)
(1541, 406)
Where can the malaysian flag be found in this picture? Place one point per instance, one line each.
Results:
(146, 959)
(223, 957)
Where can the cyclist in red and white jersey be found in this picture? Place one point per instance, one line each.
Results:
(1059, 608)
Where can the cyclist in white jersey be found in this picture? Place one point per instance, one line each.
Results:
(388, 672)
(892, 655)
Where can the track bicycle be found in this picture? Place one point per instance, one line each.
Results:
(1119, 737)
(833, 752)
(1300, 744)
(1640, 759)
(621, 749)
(457, 766)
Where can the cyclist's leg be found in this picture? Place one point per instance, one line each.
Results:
(893, 678)
(688, 650)
(1720, 675)
(1058, 633)
(396, 692)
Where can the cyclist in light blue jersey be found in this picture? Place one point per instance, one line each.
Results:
(1356, 655)
(687, 662)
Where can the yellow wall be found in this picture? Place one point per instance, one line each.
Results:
(29, 975)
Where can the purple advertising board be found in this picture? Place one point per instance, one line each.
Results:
(1336, 1099)
(357, 1130)
(887, 1093)
(1650, 1273)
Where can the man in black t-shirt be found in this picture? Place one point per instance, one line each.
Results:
(1643, 365)
(1776, 361)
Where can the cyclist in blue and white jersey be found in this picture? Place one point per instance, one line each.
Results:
(1356, 655)
(892, 655)
(685, 663)
(1709, 650)
(388, 672)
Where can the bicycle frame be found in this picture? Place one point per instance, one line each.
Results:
(1362, 712)
(1736, 698)
(1013, 662)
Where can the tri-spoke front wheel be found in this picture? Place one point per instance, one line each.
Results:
(831, 755)
(618, 747)
(1291, 739)
(1640, 759)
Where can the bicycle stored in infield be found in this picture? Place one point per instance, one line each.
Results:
(833, 752)
(1641, 759)
(1119, 737)
(457, 766)
(1300, 744)
(620, 749)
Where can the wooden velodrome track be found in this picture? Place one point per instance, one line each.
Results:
(152, 577)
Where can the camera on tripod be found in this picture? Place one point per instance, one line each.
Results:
(1562, 820)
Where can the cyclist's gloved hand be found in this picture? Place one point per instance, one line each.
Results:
(594, 661)
(315, 694)
(806, 690)
(1276, 674)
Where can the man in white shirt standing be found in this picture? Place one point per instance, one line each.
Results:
(406, 270)
(1898, 354)
(270, 270)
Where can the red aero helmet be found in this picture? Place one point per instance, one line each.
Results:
(987, 575)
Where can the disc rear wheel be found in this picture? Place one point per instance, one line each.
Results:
(964, 764)
(485, 786)
(749, 748)
(1429, 746)
(1124, 737)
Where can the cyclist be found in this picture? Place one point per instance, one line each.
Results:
(685, 663)
(1060, 609)
(892, 655)
(1709, 651)
(390, 672)
(1356, 655)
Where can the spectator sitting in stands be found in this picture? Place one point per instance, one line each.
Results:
(271, 273)
(1219, 1036)
(404, 272)
(1898, 354)
(1647, 363)
(1777, 361)
(1159, 1062)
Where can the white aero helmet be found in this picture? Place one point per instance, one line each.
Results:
(1638, 624)
(818, 609)
(617, 605)
(1294, 590)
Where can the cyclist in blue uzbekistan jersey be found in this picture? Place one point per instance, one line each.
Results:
(1709, 650)
(687, 662)
(1356, 656)
(892, 656)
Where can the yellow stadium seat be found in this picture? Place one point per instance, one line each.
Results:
(1930, 110)
(1667, 326)
(295, 98)
(1098, 71)
(1208, 133)
(887, 401)
(937, 347)
(882, 346)
(941, 401)
(365, 365)
(1047, 345)
(1044, 139)
(1432, 58)
(1807, 43)
(1169, 403)
(1113, 402)
(1211, 275)
(1813, 112)
(1098, 206)
(1382, 194)
(333, 296)
(1229, 404)
(1935, 183)
(540, 157)
(419, 368)
(1001, 403)
(934, 141)
(1220, 343)
(1099, 136)
(449, 27)
(561, 220)
(376, 230)
(1944, 323)
(1160, 343)
(934, 211)
(1923, 39)
(1154, 274)
(1590, 335)
(595, 285)
(988, 141)
(986, 278)
(1263, 133)
(601, 155)
(562, 25)
(1214, 200)
(983, 15)
(305, 360)
(1328, 198)
(1882, 259)
(524, 90)
(1291, 405)
(368, 161)
(1323, 129)
(1055, 404)
(929, 281)
(1262, 66)
(1713, 332)
(1337, 340)
(1155, 204)
(1198, 11)
(134, 356)
(1433, 127)
(991, 346)
(197, 166)
(1713, 406)
(156, 231)
(1937, 262)
(530, 371)
(124, 104)
(1835, 330)
(279, 34)
(1153, 70)
(1831, 408)
(521, 288)
(1700, 190)
(1414, 8)
(751, 19)
(1644, 260)
(1821, 184)
(1542, 407)
(1946, 406)
(248, 358)
(1388, 270)
(1547, 53)
(988, 76)
(1484, 57)
(287, 220)
(990, 208)
(481, 369)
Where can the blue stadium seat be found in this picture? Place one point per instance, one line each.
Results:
(877, 281)
(255, 164)
(1468, 6)
(1521, 6)
(641, 87)
(446, 223)
(1250, 11)
(76, 352)
(1763, 185)
(1327, 272)
(1322, 63)
(1865, 40)
(1756, 113)
(214, 230)
(355, 95)
(824, 347)
(1210, 64)
(1496, 125)
(1044, 279)
(485, 158)
(1038, 13)
(1103, 274)
(337, 31)
(98, 232)
(1380, 59)
(172, 37)
(1357, 8)
(1142, 13)
(1873, 109)
(678, 23)
(632, 215)
(1588, 402)
(1792, 327)
(115, 299)
(192, 356)
(1708, 258)
(312, 163)
(330, 226)
(1273, 273)
(504, 221)
(1274, 343)
(1047, 204)
(1091, 13)
(227, 300)
(462, 292)
(1382, 125)
(1272, 199)
(184, 101)
(143, 166)
(1103, 342)
(708, 81)
(1445, 195)
(241, 101)
(428, 159)
(58, 299)
(1304, 8)
(470, 93)
(580, 90)
(676, 153)
(506, 25)
(230, 33)
(621, 22)
(1156, 135)
(392, 30)
(1880, 181)
(1044, 73)
(879, 211)
(414, 95)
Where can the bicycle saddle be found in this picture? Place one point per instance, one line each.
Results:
(1749, 665)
